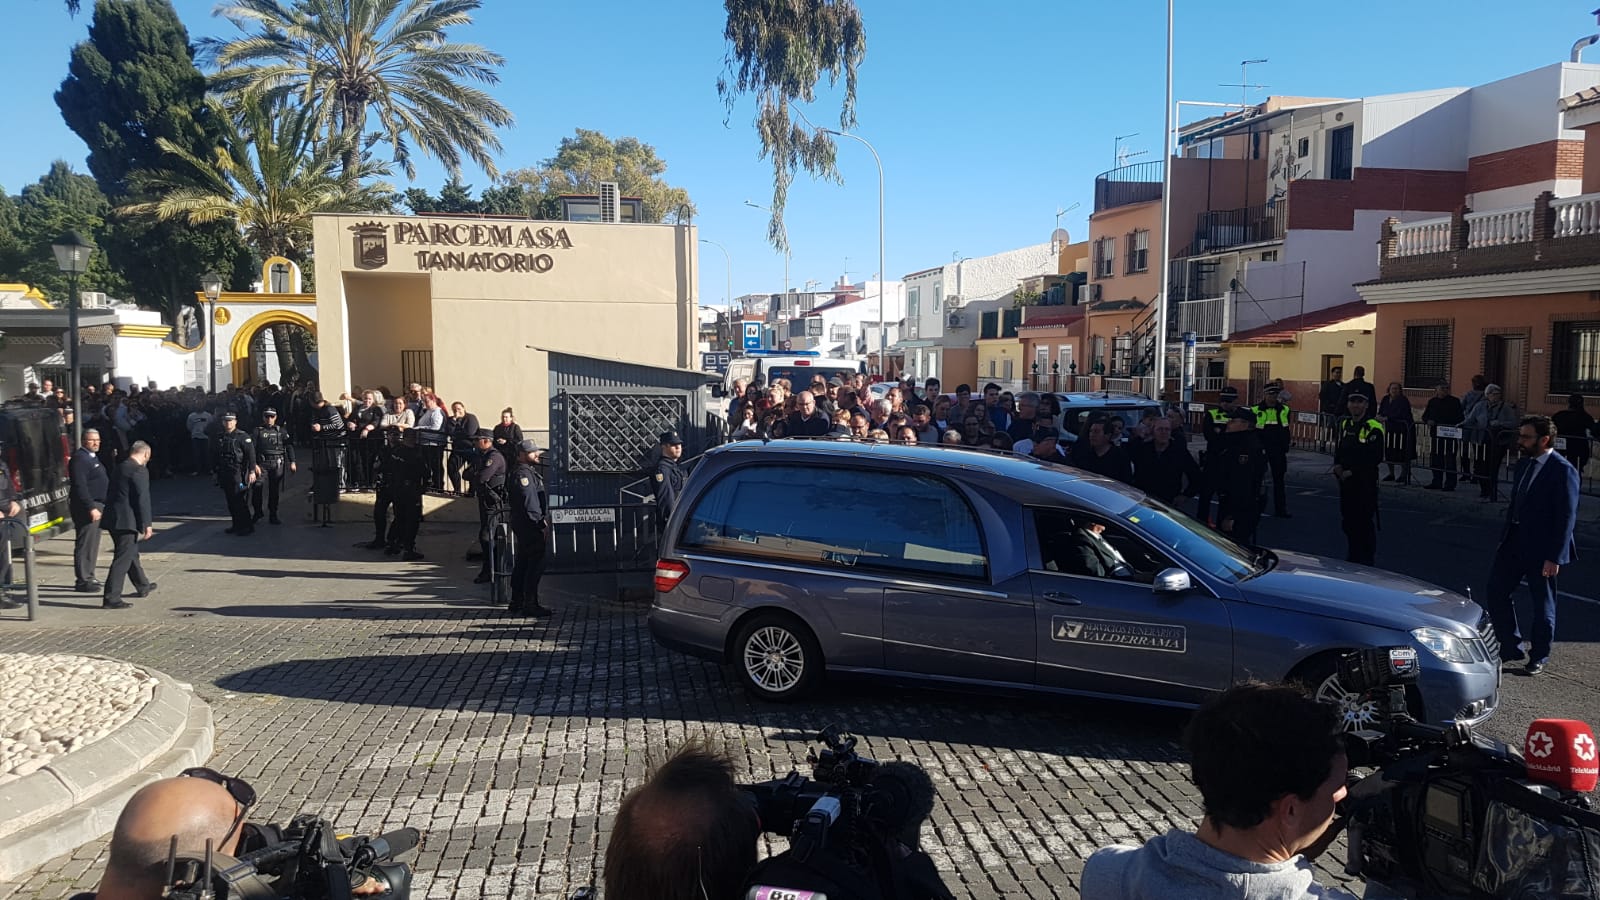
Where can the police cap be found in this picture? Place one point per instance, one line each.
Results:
(483, 434)
(1228, 392)
(528, 447)
(671, 437)
(269, 411)
(229, 416)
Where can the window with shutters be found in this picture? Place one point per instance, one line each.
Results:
(1427, 355)
(1575, 358)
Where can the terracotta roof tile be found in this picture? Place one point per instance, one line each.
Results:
(1286, 330)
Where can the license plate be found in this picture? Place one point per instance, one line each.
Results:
(37, 519)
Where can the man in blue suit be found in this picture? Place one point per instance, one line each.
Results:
(1536, 543)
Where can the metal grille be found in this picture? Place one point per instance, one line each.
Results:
(416, 367)
(615, 432)
(1575, 358)
(1427, 355)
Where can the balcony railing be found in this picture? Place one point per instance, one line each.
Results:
(1137, 183)
(1208, 319)
(1422, 236)
(1577, 216)
(1222, 229)
(1547, 231)
(1498, 227)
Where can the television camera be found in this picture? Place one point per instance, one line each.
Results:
(305, 860)
(1449, 813)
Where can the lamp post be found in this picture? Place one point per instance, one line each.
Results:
(883, 336)
(1162, 306)
(728, 306)
(73, 253)
(211, 286)
(787, 255)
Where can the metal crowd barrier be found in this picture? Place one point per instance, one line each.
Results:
(29, 562)
(1469, 452)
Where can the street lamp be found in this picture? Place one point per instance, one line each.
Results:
(786, 254)
(1162, 304)
(73, 253)
(211, 286)
(729, 260)
(883, 336)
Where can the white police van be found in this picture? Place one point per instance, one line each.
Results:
(799, 366)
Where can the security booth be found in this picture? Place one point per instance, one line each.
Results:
(606, 418)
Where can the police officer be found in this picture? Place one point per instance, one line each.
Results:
(86, 498)
(1272, 426)
(276, 453)
(384, 473)
(236, 471)
(1358, 450)
(1214, 426)
(1241, 465)
(488, 481)
(669, 476)
(525, 506)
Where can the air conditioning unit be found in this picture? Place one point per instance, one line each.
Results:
(953, 301)
(610, 202)
(92, 299)
(956, 320)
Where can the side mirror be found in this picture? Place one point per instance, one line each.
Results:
(717, 389)
(1172, 581)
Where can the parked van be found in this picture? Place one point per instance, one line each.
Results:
(36, 447)
(799, 366)
(793, 558)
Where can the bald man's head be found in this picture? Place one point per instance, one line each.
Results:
(192, 809)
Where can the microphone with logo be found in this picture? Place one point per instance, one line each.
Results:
(1561, 753)
(1450, 813)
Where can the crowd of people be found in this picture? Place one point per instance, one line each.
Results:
(1151, 453)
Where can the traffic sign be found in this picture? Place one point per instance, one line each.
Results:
(752, 335)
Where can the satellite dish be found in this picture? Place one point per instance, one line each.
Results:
(1060, 236)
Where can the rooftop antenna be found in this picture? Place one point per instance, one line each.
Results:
(1121, 156)
(1244, 84)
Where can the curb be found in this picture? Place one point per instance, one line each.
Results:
(77, 798)
(357, 507)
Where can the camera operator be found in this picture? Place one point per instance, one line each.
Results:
(688, 833)
(1270, 766)
(195, 807)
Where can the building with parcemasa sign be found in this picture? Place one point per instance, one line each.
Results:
(462, 303)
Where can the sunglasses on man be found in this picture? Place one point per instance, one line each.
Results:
(237, 788)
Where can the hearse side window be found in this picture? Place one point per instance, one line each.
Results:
(846, 518)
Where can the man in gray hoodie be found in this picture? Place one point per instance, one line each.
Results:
(1270, 767)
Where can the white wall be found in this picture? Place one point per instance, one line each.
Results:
(1521, 110)
(1419, 130)
(988, 282)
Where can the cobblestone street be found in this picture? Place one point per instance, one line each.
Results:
(511, 745)
(384, 694)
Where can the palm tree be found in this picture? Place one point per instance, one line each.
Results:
(271, 174)
(381, 62)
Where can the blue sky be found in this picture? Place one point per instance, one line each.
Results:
(989, 117)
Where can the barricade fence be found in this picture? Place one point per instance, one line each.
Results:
(1459, 454)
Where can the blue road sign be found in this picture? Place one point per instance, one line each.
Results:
(752, 335)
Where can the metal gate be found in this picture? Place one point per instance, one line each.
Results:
(416, 367)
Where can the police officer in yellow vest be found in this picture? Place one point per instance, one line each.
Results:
(1358, 451)
(1272, 421)
(1214, 428)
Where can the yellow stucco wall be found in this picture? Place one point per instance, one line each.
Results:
(1303, 362)
(624, 291)
(997, 351)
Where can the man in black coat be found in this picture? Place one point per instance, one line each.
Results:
(670, 476)
(86, 499)
(1241, 463)
(488, 482)
(10, 508)
(1164, 468)
(128, 518)
(1443, 410)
